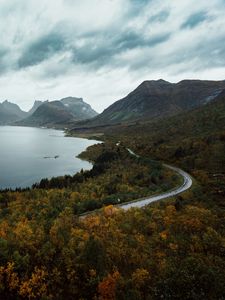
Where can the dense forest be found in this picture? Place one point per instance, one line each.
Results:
(174, 249)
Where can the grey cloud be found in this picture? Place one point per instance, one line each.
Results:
(137, 7)
(41, 49)
(211, 54)
(3, 52)
(104, 48)
(12, 7)
(4, 65)
(129, 40)
(197, 57)
(140, 2)
(194, 20)
(102, 51)
(162, 16)
(99, 48)
(158, 39)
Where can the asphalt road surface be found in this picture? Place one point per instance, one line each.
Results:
(187, 183)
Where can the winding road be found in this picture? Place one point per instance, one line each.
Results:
(187, 183)
(141, 202)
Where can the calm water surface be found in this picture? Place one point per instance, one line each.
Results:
(28, 154)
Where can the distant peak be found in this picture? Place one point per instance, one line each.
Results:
(8, 103)
(70, 98)
(162, 81)
(156, 81)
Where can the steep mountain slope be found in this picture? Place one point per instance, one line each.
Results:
(200, 121)
(48, 114)
(10, 112)
(59, 113)
(156, 99)
(14, 109)
(35, 106)
(80, 109)
(6, 117)
(191, 140)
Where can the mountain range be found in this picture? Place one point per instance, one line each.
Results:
(151, 100)
(157, 99)
(35, 106)
(45, 113)
(59, 113)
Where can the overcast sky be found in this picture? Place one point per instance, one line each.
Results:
(102, 49)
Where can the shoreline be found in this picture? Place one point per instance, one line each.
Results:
(65, 135)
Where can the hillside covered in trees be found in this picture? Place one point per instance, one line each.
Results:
(195, 141)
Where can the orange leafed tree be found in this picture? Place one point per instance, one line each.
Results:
(107, 287)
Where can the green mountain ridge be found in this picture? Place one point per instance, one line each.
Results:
(157, 99)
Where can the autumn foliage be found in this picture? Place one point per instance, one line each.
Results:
(173, 249)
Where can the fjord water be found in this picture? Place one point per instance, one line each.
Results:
(29, 154)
